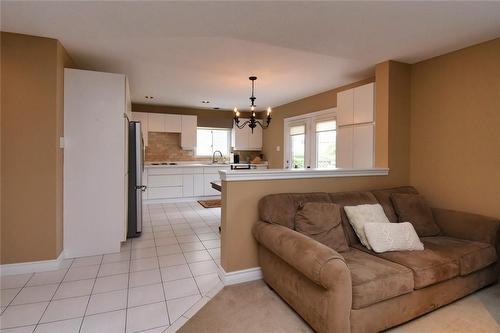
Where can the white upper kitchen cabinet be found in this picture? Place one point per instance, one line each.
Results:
(142, 117)
(364, 103)
(356, 105)
(255, 139)
(189, 125)
(345, 107)
(244, 139)
(166, 123)
(173, 123)
(156, 122)
(95, 162)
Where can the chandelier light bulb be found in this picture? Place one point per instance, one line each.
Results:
(268, 111)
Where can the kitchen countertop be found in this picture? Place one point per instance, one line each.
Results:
(186, 165)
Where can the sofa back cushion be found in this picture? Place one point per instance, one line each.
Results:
(351, 199)
(413, 208)
(321, 221)
(384, 198)
(281, 208)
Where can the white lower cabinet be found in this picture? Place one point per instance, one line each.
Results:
(188, 185)
(355, 146)
(165, 192)
(164, 180)
(344, 147)
(362, 146)
(198, 188)
(181, 182)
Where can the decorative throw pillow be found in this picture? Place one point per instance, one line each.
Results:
(413, 208)
(385, 237)
(322, 222)
(361, 214)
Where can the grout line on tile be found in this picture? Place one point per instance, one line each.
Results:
(55, 292)
(90, 296)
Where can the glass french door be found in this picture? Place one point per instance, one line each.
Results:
(325, 143)
(297, 143)
(311, 142)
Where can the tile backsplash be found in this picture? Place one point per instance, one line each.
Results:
(167, 147)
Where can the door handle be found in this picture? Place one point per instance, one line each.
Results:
(141, 187)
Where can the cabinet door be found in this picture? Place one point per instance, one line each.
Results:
(362, 146)
(241, 136)
(344, 147)
(255, 138)
(187, 185)
(364, 103)
(198, 188)
(345, 107)
(173, 123)
(142, 117)
(188, 133)
(156, 122)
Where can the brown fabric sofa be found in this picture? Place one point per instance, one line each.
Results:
(359, 290)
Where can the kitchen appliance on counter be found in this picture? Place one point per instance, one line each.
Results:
(242, 166)
(135, 187)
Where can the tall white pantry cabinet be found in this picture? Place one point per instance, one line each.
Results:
(356, 127)
(96, 108)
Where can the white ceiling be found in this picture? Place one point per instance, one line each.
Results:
(185, 52)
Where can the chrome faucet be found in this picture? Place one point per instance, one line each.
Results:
(213, 156)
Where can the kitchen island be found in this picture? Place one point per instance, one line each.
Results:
(181, 181)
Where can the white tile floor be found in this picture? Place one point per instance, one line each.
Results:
(153, 285)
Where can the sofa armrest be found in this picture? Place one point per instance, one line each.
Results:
(321, 264)
(468, 226)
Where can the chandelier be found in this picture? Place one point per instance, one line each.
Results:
(252, 122)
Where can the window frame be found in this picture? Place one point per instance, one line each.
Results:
(228, 130)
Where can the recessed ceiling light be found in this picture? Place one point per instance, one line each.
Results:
(148, 97)
(205, 102)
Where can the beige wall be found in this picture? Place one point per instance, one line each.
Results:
(455, 132)
(240, 199)
(273, 136)
(31, 123)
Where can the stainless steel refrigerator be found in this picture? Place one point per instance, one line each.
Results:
(135, 187)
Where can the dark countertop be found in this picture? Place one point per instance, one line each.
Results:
(217, 185)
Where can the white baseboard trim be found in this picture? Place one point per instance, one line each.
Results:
(33, 266)
(245, 275)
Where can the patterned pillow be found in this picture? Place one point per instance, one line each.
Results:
(385, 237)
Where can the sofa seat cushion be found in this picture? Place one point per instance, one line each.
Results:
(429, 267)
(375, 279)
(471, 256)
